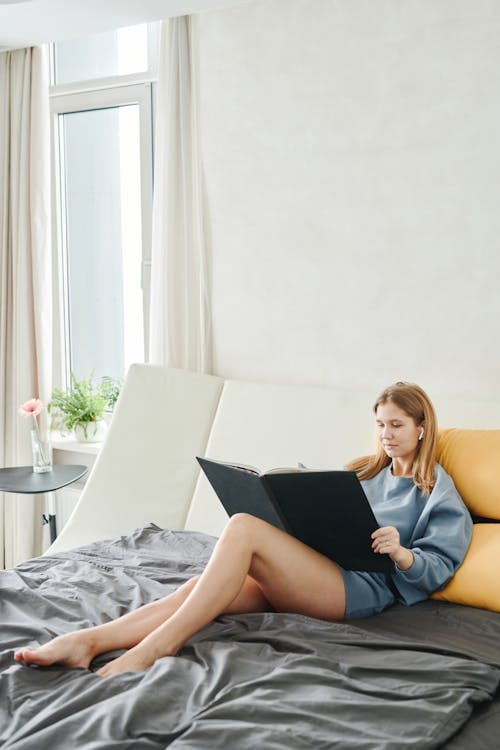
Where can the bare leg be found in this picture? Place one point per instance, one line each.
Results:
(77, 649)
(291, 576)
(254, 567)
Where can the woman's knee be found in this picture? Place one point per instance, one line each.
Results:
(241, 522)
(241, 526)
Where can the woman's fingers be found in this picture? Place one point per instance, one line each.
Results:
(386, 540)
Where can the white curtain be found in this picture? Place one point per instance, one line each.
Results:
(180, 331)
(25, 281)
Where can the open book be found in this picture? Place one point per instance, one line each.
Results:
(327, 510)
(262, 472)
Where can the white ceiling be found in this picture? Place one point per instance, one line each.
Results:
(24, 23)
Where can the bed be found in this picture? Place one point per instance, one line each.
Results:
(421, 677)
(261, 680)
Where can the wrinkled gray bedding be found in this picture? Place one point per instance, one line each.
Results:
(407, 678)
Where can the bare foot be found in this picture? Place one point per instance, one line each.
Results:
(69, 650)
(137, 659)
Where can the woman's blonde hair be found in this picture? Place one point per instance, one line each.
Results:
(414, 401)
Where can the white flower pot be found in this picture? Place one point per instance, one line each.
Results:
(92, 432)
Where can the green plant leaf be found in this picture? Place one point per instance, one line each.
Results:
(85, 401)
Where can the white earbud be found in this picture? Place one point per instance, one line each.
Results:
(421, 434)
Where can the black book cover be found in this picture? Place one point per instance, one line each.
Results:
(327, 510)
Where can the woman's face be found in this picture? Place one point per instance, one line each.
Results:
(397, 432)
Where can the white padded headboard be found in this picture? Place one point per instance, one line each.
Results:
(147, 471)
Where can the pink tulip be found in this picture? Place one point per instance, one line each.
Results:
(31, 408)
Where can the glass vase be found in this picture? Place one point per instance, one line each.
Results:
(41, 447)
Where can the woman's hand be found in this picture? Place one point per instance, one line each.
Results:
(386, 541)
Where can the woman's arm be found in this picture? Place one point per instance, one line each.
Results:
(439, 544)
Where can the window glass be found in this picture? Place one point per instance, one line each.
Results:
(102, 241)
(102, 55)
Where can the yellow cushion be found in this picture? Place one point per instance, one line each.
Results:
(472, 458)
(476, 581)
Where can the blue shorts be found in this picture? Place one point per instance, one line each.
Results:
(366, 593)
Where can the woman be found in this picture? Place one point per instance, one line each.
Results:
(255, 567)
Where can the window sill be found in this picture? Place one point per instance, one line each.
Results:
(60, 443)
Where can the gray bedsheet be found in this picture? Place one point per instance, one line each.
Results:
(408, 678)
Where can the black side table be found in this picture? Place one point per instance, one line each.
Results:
(23, 480)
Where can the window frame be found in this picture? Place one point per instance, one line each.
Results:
(83, 96)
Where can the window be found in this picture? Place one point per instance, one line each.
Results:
(102, 137)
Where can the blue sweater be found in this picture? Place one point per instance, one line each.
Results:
(437, 528)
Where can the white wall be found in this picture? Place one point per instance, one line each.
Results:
(352, 162)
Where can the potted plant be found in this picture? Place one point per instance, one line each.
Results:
(81, 408)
